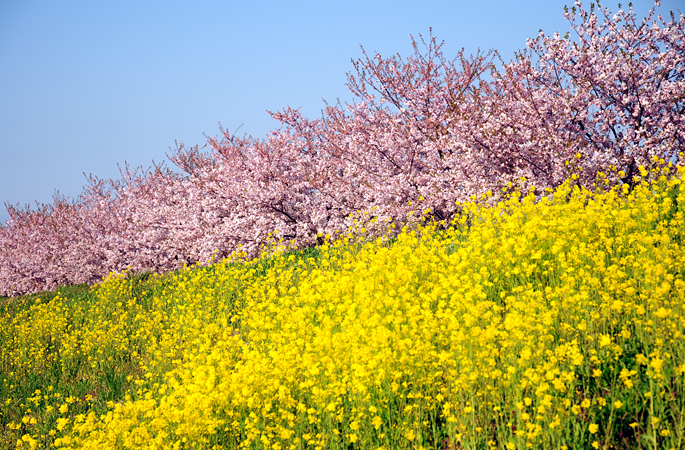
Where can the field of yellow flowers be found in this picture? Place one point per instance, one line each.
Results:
(548, 323)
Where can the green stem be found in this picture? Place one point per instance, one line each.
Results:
(651, 411)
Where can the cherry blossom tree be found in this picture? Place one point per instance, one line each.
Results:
(613, 97)
(424, 133)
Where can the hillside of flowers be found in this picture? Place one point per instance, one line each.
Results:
(606, 97)
(541, 322)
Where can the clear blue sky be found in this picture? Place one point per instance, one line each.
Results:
(85, 85)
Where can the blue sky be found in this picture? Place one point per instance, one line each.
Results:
(85, 85)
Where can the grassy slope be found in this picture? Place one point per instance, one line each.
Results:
(39, 373)
(544, 325)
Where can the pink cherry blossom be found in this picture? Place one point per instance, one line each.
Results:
(424, 133)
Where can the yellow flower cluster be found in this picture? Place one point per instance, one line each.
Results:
(550, 322)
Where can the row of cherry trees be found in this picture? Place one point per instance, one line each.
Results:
(609, 94)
